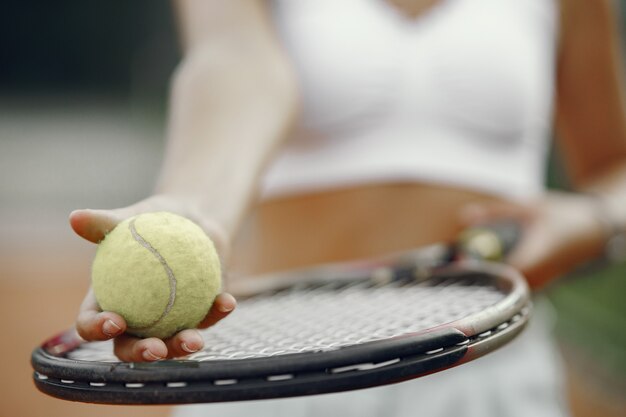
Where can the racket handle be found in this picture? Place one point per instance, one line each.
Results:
(490, 242)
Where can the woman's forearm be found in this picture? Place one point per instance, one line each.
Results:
(231, 106)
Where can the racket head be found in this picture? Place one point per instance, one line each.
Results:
(362, 357)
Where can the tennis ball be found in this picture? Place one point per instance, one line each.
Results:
(159, 271)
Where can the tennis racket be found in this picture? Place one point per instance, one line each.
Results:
(326, 329)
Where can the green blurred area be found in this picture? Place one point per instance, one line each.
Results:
(591, 312)
(590, 306)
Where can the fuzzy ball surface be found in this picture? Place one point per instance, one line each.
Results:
(159, 271)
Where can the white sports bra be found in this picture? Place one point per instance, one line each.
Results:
(460, 96)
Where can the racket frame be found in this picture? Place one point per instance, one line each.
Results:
(352, 367)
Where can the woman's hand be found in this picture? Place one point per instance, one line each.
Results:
(93, 324)
(559, 232)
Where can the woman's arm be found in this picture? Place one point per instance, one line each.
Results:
(233, 99)
(564, 229)
(590, 118)
(591, 113)
(591, 134)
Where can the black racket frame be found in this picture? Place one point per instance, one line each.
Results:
(352, 367)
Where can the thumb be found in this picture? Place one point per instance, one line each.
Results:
(93, 225)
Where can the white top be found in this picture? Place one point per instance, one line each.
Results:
(460, 96)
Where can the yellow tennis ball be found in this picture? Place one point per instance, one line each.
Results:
(159, 271)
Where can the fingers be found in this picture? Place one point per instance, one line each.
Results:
(132, 349)
(92, 324)
(93, 224)
(184, 343)
(223, 305)
(188, 341)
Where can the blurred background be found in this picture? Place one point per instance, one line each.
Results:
(83, 91)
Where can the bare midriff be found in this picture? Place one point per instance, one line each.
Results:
(347, 224)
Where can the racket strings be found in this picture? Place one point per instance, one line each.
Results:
(314, 318)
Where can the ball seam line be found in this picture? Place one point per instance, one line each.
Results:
(170, 274)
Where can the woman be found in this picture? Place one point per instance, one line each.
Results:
(366, 127)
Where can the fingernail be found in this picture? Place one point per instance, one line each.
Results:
(110, 328)
(226, 308)
(149, 356)
(187, 348)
